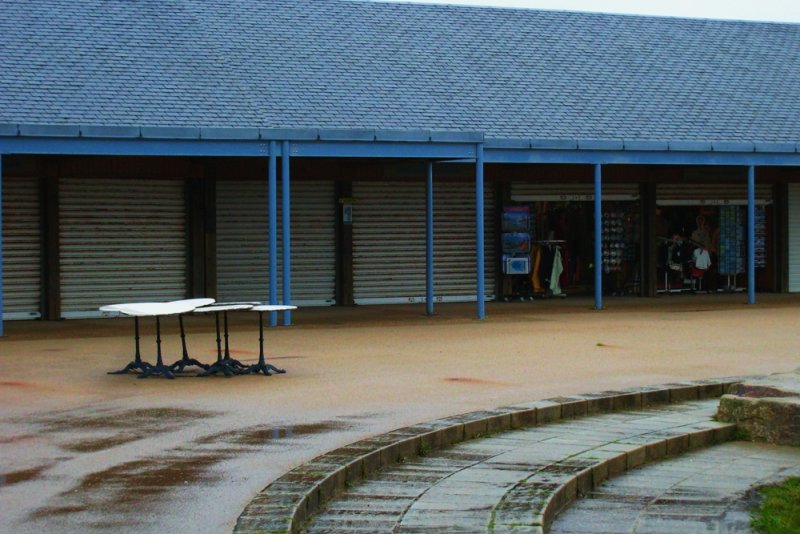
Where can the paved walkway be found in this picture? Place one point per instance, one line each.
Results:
(702, 491)
(75, 443)
(501, 483)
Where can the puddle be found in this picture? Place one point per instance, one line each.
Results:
(55, 511)
(361, 416)
(162, 419)
(15, 439)
(17, 384)
(608, 346)
(26, 475)
(470, 380)
(101, 444)
(268, 434)
(135, 486)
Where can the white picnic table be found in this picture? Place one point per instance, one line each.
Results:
(224, 364)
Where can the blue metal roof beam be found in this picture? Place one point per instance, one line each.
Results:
(417, 144)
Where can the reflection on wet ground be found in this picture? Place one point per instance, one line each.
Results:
(17, 384)
(24, 475)
(104, 430)
(125, 494)
(266, 434)
(471, 380)
(149, 418)
(5, 440)
(102, 443)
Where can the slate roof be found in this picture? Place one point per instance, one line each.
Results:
(359, 64)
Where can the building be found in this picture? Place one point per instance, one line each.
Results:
(337, 152)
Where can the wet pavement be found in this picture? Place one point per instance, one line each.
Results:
(85, 452)
(503, 483)
(707, 491)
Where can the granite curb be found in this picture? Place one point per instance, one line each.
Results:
(287, 503)
(594, 475)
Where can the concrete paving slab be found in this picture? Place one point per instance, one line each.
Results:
(353, 373)
(684, 494)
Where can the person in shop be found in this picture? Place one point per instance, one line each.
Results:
(678, 256)
(702, 234)
(701, 262)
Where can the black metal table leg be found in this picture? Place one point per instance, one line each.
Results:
(185, 361)
(262, 366)
(232, 362)
(159, 368)
(221, 365)
(137, 364)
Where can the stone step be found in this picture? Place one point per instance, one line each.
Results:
(517, 481)
(424, 455)
(702, 491)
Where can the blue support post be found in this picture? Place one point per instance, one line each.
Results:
(598, 237)
(481, 282)
(751, 235)
(429, 241)
(273, 230)
(2, 326)
(287, 232)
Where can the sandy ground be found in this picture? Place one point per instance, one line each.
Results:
(82, 451)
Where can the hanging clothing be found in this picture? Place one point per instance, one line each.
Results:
(546, 267)
(536, 252)
(702, 259)
(558, 268)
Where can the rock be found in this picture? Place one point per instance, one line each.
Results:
(773, 420)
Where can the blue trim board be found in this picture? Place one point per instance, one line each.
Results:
(170, 133)
(383, 150)
(496, 151)
(408, 136)
(230, 134)
(131, 147)
(622, 157)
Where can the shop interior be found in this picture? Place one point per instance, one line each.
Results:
(702, 248)
(548, 249)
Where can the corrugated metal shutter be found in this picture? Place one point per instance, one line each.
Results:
(389, 241)
(243, 242)
(709, 194)
(563, 192)
(794, 238)
(121, 241)
(22, 248)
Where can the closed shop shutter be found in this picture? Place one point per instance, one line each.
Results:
(121, 241)
(710, 194)
(22, 248)
(794, 238)
(389, 241)
(243, 242)
(570, 192)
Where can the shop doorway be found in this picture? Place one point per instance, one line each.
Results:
(562, 237)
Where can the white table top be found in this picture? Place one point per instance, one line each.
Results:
(273, 308)
(150, 309)
(142, 309)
